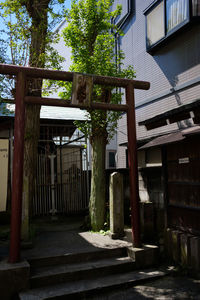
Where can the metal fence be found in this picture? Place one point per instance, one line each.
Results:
(62, 181)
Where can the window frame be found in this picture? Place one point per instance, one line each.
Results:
(190, 18)
(194, 18)
(108, 151)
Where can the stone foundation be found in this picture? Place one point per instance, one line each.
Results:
(14, 278)
(183, 248)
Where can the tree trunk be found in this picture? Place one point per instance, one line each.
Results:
(38, 12)
(32, 127)
(98, 183)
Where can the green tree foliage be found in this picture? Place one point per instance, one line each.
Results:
(29, 37)
(16, 36)
(91, 36)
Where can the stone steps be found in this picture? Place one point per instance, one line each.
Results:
(83, 256)
(82, 289)
(81, 274)
(79, 271)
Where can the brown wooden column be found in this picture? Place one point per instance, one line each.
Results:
(133, 166)
(17, 181)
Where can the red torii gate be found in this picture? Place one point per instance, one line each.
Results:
(22, 73)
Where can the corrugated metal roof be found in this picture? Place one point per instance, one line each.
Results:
(171, 138)
(52, 113)
(174, 115)
(61, 113)
(163, 140)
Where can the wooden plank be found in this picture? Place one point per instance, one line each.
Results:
(183, 161)
(186, 219)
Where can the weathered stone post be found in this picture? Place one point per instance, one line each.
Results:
(116, 206)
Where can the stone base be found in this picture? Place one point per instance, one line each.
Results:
(183, 249)
(116, 236)
(14, 278)
(146, 256)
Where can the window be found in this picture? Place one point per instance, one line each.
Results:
(176, 13)
(165, 17)
(155, 24)
(111, 163)
(195, 8)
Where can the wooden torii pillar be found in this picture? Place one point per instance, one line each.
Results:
(87, 80)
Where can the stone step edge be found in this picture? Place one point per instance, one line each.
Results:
(85, 266)
(92, 285)
(77, 257)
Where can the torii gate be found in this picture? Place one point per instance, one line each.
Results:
(86, 81)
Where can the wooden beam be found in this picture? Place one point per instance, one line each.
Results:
(68, 76)
(67, 103)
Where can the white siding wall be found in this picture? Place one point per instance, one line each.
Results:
(174, 64)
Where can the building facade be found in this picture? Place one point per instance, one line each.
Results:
(162, 41)
(172, 67)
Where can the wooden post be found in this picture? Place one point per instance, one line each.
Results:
(133, 166)
(17, 181)
(83, 95)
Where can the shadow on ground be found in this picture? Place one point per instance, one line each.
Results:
(167, 288)
(65, 236)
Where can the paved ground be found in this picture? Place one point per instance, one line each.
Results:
(167, 288)
(54, 238)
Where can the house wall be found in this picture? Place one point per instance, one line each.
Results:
(174, 64)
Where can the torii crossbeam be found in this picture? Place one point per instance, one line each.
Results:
(21, 99)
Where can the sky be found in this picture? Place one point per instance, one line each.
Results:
(68, 3)
(2, 27)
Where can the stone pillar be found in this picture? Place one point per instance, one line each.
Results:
(116, 206)
(175, 244)
(147, 221)
(14, 278)
(184, 249)
(195, 253)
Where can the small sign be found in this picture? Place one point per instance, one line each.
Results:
(184, 160)
(82, 89)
